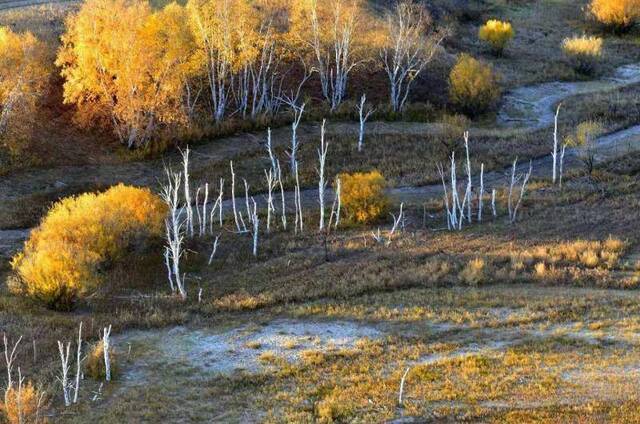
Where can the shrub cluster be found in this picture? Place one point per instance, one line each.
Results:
(619, 15)
(23, 405)
(497, 34)
(583, 52)
(363, 198)
(473, 86)
(79, 237)
(94, 366)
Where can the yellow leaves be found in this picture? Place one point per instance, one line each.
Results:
(363, 197)
(24, 70)
(61, 258)
(496, 33)
(583, 51)
(130, 61)
(620, 14)
(472, 85)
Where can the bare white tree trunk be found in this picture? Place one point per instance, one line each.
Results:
(197, 208)
(364, 113)
(10, 354)
(469, 187)
(203, 226)
(187, 190)
(217, 206)
(298, 202)
(64, 376)
(174, 226)
(78, 365)
(335, 207)
(106, 345)
(214, 250)
(256, 227)
(402, 381)
(233, 199)
(481, 193)
(322, 183)
(271, 184)
(554, 154)
(272, 157)
(493, 203)
(282, 198)
(562, 150)
(298, 112)
(513, 209)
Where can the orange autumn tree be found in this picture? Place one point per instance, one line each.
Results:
(126, 65)
(24, 72)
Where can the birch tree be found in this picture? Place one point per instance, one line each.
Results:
(410, 45)
(364, 112)
(332, 32)
(322, 183)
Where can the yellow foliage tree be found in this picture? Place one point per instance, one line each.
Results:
(61, 259)
(127, 65)
(24, 72)
(363, 197)
(618, 14)
(497, 34)
(473, 86)
(23, 403)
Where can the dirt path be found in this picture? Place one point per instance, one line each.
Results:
(15, 4)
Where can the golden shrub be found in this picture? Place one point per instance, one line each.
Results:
(473, 86)
(474, 272)
(583, 52)
(23, 405)
(79, 236)
(363, 198)
(497, 34)
(94, 365)
(618, 14)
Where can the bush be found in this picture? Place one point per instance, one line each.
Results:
(24, 405)
(497, 34)
(473, 86)
(452, 134)
(583, 52)
(94, 365)
(474, 272)
(584, 139)
(81, 236)
(362, 196)
(619, 15)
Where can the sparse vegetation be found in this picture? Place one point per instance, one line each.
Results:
(94, 365)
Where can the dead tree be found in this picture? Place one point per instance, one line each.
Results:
(255, 220)
(562, 151)
(271, 185)
(298, 112)
(493, 203)
(467, 194)
(364, 113)
(214, 250)
(237, 220)
(322, 183)
(481, 193)
(554, 154)
(203, 224)
(282, 198)
(217, 207)
(298, 202)
(78, 365)
(187, 190)
(513, 209)
(337, 204)
(64, 376)
(106, 346)
(175, 228)
(9, 358)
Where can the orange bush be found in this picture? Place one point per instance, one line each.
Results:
(363, 197)
(24, 405)
(618, 14)
(80, 235)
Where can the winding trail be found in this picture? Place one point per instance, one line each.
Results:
(530, 107)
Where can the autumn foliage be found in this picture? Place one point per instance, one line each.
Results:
(23, 404)
(63, 258)
(473, 86)
(617, 14)
(583, 52)
(363, 197)
(497, 34)
(23, 75)
(94, 365)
